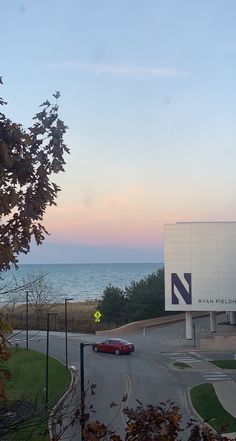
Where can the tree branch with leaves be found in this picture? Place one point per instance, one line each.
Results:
(28, 158)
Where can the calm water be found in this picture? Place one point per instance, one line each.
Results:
(82, 281)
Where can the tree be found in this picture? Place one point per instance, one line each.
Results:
(139, 301)
(28, 158)
(5, 330)
(14, 292)
(145, 299)
(112, 305)
(41, 298)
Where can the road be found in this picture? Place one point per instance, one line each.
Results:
(147, 375)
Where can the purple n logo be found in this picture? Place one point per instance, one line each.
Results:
(185, 293)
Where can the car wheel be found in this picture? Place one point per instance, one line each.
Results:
(117, 352)
(95, 348)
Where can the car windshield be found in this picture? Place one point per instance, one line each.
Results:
(120, 340)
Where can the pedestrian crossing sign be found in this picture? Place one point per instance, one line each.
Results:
(97, 316)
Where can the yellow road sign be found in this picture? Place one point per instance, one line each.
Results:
(97, 316)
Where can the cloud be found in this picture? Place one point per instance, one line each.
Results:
(119, 70)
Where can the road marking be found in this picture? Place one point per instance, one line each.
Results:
(189, 357)
(21, 340)
(211, 379)
(195, 354)
(171, 353)
(215, 376)
(186, 358)
(124, 403)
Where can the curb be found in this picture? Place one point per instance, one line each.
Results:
(60, 402)
(195, 413)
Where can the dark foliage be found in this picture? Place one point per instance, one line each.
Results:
(145, 299)
(139, 301)
(112, 305)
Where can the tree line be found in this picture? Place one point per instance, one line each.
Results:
(140, 300)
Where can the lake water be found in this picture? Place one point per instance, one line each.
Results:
(82, 281)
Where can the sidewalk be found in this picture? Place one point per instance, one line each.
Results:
(226, 393)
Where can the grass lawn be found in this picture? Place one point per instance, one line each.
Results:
(28, 382)
(224, 364)
(207, 405)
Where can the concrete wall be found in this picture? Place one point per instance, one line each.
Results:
(218, 343)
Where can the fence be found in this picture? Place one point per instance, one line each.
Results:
(57, 323)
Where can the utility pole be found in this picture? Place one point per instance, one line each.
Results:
(47, 359)
(66, 300)
(82, 391)
(27, 320)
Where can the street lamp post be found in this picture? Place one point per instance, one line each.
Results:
(27, 320)
(194, 336)
(47, 357)
(66, 300)
(82, 391)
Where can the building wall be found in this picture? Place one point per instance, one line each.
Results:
(200, 266)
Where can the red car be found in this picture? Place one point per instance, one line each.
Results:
(114, 345)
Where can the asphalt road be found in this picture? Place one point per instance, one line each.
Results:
(147, 375)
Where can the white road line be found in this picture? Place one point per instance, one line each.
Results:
(171, 353)
(183, 357)
(216, 379)
(216, 376)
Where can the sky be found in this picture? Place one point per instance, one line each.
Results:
(148, 93)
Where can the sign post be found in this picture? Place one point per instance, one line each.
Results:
(97, 316)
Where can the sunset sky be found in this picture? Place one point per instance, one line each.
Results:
(148, 92)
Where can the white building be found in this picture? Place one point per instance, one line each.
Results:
(200, 269)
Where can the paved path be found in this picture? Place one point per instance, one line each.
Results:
(226, 392)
